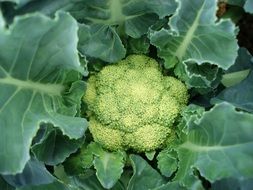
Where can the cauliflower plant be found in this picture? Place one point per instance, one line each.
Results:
(131, 105)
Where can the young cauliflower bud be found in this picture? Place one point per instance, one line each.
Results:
(131, 105)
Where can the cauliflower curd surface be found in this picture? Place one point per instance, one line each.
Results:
(131, 105)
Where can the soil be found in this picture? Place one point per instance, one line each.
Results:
(245, 24)
(245, 36)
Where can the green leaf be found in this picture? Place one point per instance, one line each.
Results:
(86, 182)
(107, 21)
(90, 182)
(56, 185)
(150, 155)
(234, 78)
(234, 13)
(101, 41)
(190, 114)
(236, 2)
(38, 53)
(133, 17)
(60, 173)
(246, 4)
(34, 173)
(172, 186)
(196, 36)
(167, 162)
(108, 165)
(137, 46)
(112, 19)
(2, 22)
(243, 61)
(240, 70)
(233, 184)
(144, 177)
(20, 2)
(240, 95)
(54, 148)
(218, 147)
(198, 76)
(4, 185)
(75, 92)
(78, 162)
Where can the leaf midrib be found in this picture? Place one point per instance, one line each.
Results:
(205, 148)
(181, 50)
(51, 89)
(116, 14)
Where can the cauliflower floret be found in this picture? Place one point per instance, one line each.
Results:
(133, 106)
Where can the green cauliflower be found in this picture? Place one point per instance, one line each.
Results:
(131, 105)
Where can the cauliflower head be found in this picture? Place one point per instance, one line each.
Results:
(131, 105)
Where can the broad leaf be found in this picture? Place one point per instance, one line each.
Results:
(150, 155)
(4, 185)
(20, 2)
(218, 147)
(91, 182)
(195, 36)
(198, 76)
(134, 16)
(101, 41)
(137, 46)
(233, 184)
(131, 17)
(167, 162)
(190, 114)
(172, 186)
(56, 185)
(2, 22)
(239, 71)
(107, 21)
(236, 2)
(37, 54)
(34, 173)
(243, 61)
(79, 162)
(240, 95)
(108, 165)
(246, 4)
(144, 176)
(54, 148)
(86, 182)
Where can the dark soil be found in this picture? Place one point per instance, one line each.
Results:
(245, 36)
(245, 24)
